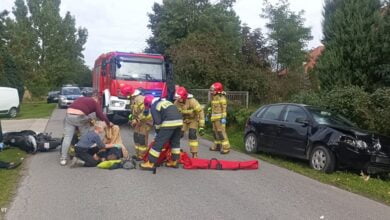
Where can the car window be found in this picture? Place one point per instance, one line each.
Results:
(293, 113)
(273, 112)
(259, 112)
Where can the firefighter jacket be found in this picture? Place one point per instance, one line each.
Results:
(191, 110)
(218, 106)
(138, 110)
(166, 115)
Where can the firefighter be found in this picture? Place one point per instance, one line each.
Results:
(218, 118)
(168, 122)
(140, 119)
(193, 118)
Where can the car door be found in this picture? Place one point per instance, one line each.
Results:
(293, 134)
(269, 126)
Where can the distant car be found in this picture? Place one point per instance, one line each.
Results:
(67, 96)
(326, 139)
(87, 91)
(52, 96)
(9, 102)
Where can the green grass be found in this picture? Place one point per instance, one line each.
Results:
(35, 110)
(9, 178)
(376, 188)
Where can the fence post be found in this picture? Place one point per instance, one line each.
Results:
(247, 99)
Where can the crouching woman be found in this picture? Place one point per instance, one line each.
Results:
(89, 145)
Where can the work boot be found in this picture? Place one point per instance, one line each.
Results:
(76, 162)
(136, 158)
(172, 164)
(147, 166)
(225, 151)
(194, 155)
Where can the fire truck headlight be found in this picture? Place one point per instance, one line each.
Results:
(117, 103)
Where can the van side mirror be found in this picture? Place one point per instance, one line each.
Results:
(302, 121)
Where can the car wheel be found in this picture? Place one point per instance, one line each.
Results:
(12, 112)
(251, 143)
(322, 159)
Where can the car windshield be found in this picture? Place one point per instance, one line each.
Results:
(140, 69)
(71, 91)
(329, 118)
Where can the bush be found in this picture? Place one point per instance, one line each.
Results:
(368, 111)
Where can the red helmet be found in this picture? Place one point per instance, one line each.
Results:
(127, 90)
(216, 87)
(181, 93)
(148, 101)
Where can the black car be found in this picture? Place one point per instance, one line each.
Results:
(326, 139)
(52, 96)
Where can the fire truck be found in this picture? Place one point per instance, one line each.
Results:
(149, 73)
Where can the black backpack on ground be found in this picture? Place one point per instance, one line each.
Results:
(46, 143)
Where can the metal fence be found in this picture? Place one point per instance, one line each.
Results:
(234, 97)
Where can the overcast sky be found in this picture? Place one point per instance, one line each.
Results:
(121, 25)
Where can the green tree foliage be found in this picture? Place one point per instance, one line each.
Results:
(10, 74)
(287, 34)
(46, 48)
(356, 38)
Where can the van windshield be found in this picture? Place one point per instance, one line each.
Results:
(140, 69)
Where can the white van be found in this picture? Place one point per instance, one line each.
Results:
(9, 101)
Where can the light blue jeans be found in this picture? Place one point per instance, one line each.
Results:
(72, 122)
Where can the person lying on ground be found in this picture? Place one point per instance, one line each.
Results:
(89, 146)
(77, 117)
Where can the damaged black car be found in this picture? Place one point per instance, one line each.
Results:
(329, 141)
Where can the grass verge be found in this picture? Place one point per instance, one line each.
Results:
(9, 178)
(376, 188)
(35, 110)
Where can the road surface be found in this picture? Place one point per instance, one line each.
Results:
(49, 191)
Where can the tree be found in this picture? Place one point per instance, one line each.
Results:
(10, 74)
(202, 39)
(356, 40)
(254, 49)
(287, 34)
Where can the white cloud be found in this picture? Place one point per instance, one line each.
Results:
(121, 25)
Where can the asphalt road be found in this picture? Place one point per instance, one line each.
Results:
(49, 191)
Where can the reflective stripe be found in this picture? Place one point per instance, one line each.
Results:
(224, 115)
(154, 153)
(201, 123)
(175, 150)
(188, 111)
(136, 147)
(142, 148)
(157, 126)
(193, 143)
(217, 142)
(223, 101)
(163, 104)
(172, 123)
(215, 102)
(225, 142)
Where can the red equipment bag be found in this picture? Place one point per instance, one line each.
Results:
(165, 154)
(198, 163)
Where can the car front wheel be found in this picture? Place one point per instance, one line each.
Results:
(251, 143)
(322, 159)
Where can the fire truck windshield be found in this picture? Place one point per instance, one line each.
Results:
(140, 69)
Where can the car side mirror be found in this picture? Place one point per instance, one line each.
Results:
(302, 121)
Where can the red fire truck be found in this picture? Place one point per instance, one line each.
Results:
(113, 70)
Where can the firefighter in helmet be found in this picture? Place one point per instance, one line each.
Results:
(168, 122)
(140, 119)
(193, 117)
(218, 118)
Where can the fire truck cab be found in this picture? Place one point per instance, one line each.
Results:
(113, 70)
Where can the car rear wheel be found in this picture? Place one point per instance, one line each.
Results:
(12, 112)
(251, 143)
(322, 159)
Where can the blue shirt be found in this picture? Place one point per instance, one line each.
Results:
(90, 140)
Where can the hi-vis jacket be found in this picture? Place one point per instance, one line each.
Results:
(137, 110)
(166, 115)
(191, 110)
(218, 107)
